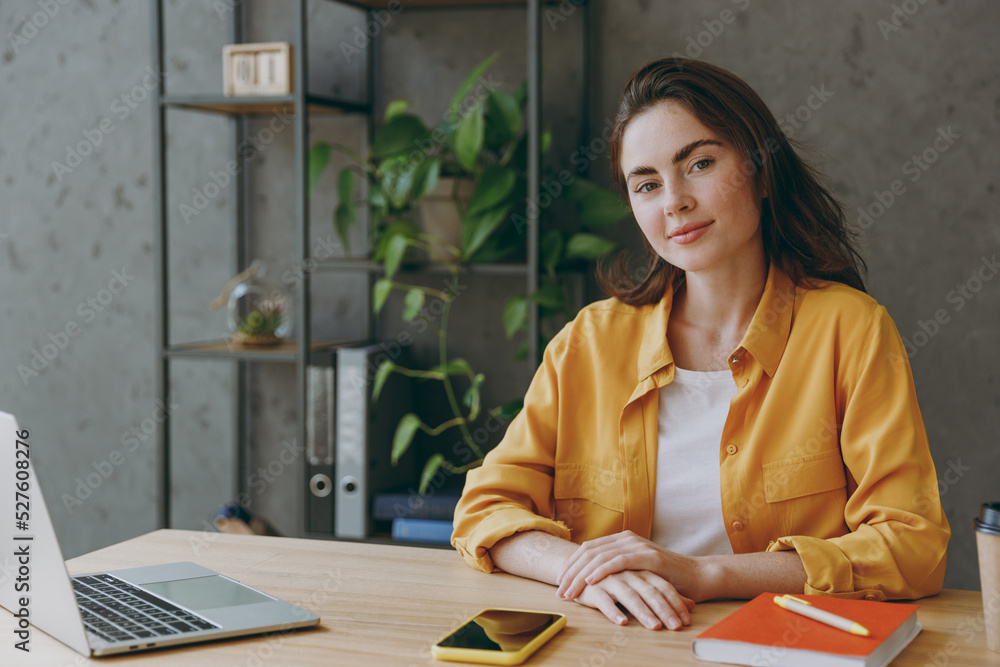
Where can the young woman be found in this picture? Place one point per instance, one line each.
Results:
(743, 418)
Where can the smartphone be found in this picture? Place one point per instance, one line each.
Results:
(499, 636)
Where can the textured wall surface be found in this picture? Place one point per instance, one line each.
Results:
(881, 91)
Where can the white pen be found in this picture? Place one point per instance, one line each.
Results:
(799, 606)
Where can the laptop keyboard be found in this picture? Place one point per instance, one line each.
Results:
(115, 610)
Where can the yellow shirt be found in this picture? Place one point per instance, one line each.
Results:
(823, 451)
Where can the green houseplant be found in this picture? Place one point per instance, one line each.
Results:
(481, 141)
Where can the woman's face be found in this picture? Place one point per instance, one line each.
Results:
(690, 191)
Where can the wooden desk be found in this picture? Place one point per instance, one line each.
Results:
(386, 605)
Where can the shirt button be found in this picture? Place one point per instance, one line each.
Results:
(735, 359)
(737, 525)
(871, 596)
(731, 449)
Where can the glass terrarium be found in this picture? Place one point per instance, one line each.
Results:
(257, 314)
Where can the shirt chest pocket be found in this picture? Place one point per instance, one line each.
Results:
(590, 500)
(800, 492)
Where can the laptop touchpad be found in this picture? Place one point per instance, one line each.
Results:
(206, 592)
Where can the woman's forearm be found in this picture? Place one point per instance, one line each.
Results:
(533, 554)
(744, 576)
(542, 557)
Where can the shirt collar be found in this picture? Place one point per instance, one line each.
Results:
(767, 334)
(765, 338)
(654, 353)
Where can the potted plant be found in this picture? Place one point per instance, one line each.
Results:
(481, 146)
(261, 325)
(256, 316)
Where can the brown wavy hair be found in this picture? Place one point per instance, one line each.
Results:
(803, 226)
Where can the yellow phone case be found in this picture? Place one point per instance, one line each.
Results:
(490, 625)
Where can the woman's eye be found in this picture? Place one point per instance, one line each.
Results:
(702, 165)
(646, 187)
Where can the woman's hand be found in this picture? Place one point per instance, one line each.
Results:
(595, 560)
(645, 595)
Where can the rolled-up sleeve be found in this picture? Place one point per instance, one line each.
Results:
(512, 491)
(899, 533)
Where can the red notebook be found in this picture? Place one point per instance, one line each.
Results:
(762, 633)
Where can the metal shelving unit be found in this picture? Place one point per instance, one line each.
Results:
(302, 104)
(317, 104)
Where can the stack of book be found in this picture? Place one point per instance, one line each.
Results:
(415, 517)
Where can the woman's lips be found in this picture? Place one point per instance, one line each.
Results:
(690, 233)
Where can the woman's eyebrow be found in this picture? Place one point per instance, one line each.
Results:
(641, 171)
(680, 155)
(684, 152)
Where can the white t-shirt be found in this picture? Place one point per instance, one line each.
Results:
(687, 514)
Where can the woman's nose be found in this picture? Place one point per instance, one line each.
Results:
(676, 199)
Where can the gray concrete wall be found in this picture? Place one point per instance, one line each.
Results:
(62, 235)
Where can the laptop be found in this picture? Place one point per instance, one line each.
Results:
(109, 613)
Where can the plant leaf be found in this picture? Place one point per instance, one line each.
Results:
(398, 136)
(588, 246)
(319, 156)
(425, 177)
(472, 396)
(469, 137)
(376, 197)
(546, 143)
(598, 207)
(470, 81)
(521, 94)
(508, 410)
(521, 353)
(505, 113)
(380, 292)
(549, 295)
(404, 227)
(515, 314)
(395, 108)
(413, 303)
(578, 189)
(397, 176)
(495, 184)
(456, 366)
(430, 469)
(405, 430)
(552, 246)
(602, 210)
(381, 375)
(345, 215)
(394, 252)
(499, 245)
(478, 227)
